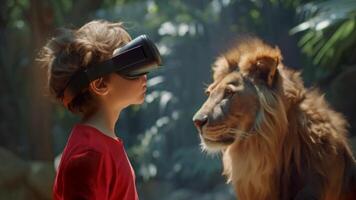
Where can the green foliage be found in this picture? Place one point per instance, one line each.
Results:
(329, 33)
(159, 135)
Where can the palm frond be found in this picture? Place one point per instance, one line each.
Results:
(319, 16)
(329, 30)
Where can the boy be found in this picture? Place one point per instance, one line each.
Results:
(94, 164)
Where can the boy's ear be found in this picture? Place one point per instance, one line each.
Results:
(99, 87)
(265, 69)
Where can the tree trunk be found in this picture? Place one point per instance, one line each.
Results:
(11, 116)
(41, 20)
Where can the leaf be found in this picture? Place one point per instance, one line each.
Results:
(329, 31)
(325, 14)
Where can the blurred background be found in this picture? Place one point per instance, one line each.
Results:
(317, 37)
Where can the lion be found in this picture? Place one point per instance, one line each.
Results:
(278, 139)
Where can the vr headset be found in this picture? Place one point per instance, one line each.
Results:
(137, 58)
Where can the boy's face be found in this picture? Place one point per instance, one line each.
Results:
(124, 92)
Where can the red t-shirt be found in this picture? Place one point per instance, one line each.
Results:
(94, 166)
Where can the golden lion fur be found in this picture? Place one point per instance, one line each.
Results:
(300, 149)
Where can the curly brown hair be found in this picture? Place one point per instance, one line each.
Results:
(73, 50)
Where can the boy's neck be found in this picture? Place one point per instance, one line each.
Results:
(104, 120)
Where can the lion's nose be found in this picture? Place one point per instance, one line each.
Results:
(200, 120)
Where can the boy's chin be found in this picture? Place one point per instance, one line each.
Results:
(139, 102)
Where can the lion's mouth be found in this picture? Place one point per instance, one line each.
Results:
(222, 139)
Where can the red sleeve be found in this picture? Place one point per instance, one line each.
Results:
(80, 176)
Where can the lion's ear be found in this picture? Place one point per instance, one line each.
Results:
(220, 68)
(265, 69)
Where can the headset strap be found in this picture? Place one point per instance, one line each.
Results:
(85, 76)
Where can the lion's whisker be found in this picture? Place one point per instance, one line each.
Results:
(238, 133)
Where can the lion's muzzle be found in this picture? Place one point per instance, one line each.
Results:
(200, 120)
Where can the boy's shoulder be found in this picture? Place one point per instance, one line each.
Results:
(83, 147)
(87, 138)
(88, 160)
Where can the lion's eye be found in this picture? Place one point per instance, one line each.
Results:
(228, 93)
(207, 93)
